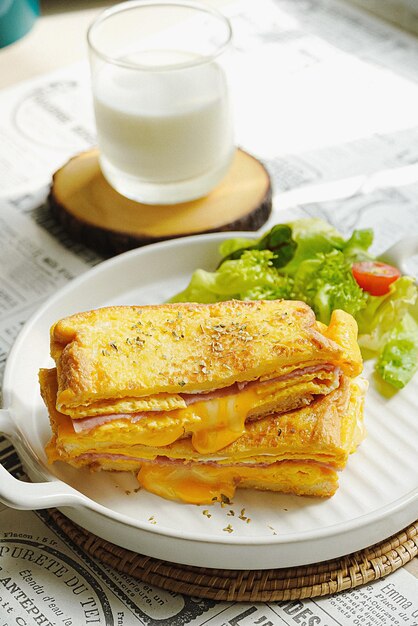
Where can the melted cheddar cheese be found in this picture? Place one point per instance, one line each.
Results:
(192, 484)
(221, 421)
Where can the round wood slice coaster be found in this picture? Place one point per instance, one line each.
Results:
(293, 583)
(98, 216)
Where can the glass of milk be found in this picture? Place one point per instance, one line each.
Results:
(163, 119)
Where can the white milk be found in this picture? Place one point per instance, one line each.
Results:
(164, 135)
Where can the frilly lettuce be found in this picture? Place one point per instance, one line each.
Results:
(250, 277)
(326, 283)
(312, 236)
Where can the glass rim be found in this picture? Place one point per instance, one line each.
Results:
(129, 5)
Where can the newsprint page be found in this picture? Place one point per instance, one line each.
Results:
(333, 115)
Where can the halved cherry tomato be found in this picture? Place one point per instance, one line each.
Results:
(375, 277)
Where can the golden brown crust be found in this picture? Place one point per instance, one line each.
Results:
(118, 352)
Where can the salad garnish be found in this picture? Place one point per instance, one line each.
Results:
(310, 260)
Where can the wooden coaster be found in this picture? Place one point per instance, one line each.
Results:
(293, 583)
(97, 215)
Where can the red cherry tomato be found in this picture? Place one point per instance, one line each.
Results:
(375, 277)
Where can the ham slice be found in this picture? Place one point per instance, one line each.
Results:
(93, 457)
(88, 423)
(192, 398)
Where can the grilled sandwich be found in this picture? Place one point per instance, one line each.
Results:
(207, 395)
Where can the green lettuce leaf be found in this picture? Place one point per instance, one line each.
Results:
(229, 246)
(326, 283)
(356, 247)
(398, 361)
(251, 277)
(313, 236)
(278, 240)
(383, 313)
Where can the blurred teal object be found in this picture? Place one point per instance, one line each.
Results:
(16, 19)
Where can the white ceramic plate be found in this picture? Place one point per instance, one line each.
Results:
(378, 492)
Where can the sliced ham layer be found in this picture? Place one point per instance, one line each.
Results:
(88, 423)
(164, 460)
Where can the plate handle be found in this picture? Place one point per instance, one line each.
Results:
(18, 494)
(30, 496)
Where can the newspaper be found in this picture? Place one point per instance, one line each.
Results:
(46, 579)
(332, 114)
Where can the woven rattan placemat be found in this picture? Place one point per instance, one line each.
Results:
(292, 583)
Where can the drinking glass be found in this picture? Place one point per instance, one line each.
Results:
(162, 110)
